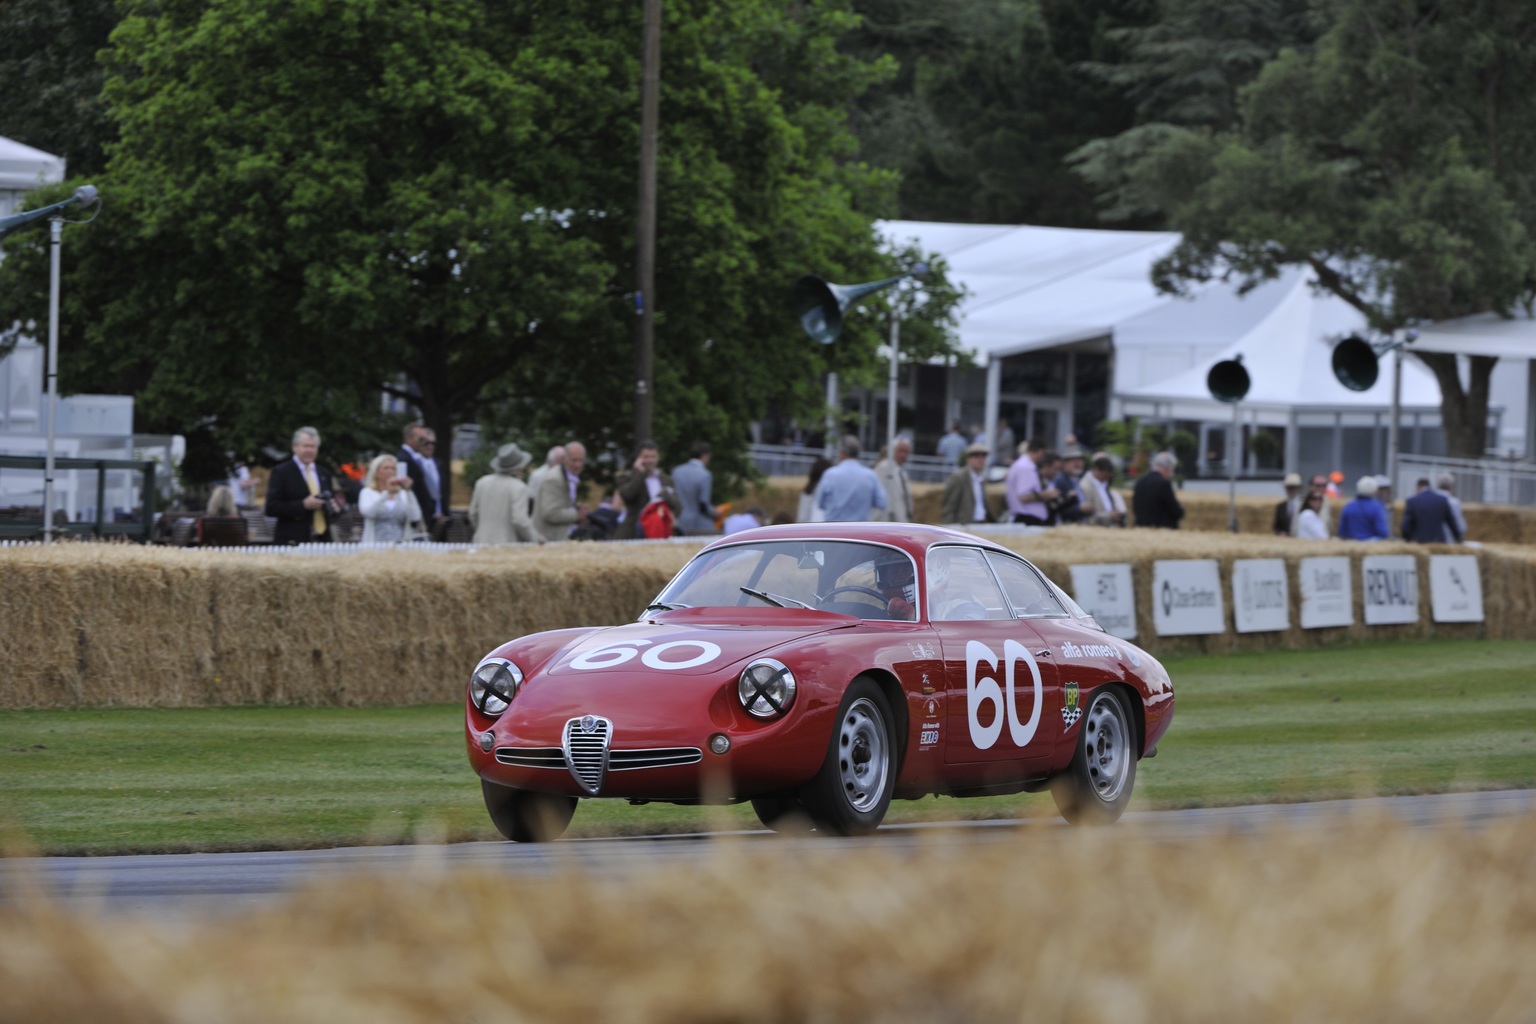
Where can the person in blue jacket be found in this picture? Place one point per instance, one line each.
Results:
(1364, 518)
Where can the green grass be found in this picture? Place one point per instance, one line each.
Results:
(1249, 728)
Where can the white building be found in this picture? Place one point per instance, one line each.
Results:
(87, 426)
(1066, 330)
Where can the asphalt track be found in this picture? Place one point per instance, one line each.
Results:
(195, 884)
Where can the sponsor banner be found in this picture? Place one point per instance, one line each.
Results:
(1389, 585)
(1326, 596)
(1186, 598)
(1455, 588)
(1105, 592)
(1261, 597)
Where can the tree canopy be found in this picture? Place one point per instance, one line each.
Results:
(310, 203)
(1391, 157)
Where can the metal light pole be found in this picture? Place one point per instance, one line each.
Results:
(1228, 381)
(890, 391)
(645, 263)
(85, 195)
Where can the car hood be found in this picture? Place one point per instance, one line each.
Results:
(691, 641)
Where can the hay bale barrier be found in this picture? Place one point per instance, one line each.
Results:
(98, 625)
(1358, 920)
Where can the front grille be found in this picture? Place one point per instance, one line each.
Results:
(585, 747)
(663, 757)
(618, 760)
(531, 757)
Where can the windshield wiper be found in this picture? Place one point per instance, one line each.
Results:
(664, 606)
(777, 600)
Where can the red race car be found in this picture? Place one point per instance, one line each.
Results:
(820, 671)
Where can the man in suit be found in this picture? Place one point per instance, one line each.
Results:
(300, 493)
(965, 492)
(1427, 519)
(418, 454)
(556, 510)
(1287, 510)
(694, 483)
(892, 471)
(1153, 499)
(643, 483)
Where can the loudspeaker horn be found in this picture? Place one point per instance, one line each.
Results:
(85, 194)
(1354, 363)
(819, 304)
(1228, 381)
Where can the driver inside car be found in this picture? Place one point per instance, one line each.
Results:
(895, 580)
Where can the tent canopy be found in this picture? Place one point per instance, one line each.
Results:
(1285, 331)
(1033, 288)
(22, 167)
(1486, 334)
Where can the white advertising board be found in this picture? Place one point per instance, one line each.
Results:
(1105, 592)
(1186, 598)
(1390, 587)
(1261, 597)
(1455, 588)
(1327, 599)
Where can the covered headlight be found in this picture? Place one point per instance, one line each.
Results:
(493, 684)
(766, 688)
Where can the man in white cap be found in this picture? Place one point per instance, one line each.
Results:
(1364, 518)
(498, 509)
(1287, 510)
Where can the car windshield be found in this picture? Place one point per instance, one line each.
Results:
(870, 581)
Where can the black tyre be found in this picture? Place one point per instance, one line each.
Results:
(781, 814)
(848, 797)
(1097, 786)
(525, 817)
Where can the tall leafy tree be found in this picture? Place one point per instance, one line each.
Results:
(51, 81)
(1392, 157)
(314, 202)
(987, 102)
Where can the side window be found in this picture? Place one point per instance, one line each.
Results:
(960, 586)
(1027, 592)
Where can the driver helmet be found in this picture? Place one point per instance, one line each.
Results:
(894, 577)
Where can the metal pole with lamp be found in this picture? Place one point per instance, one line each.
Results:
(1228, 382)
(819, 306)
(85, 195)
(1356, 365)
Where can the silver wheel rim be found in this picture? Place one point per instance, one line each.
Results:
(1106, 742)
(861, 754)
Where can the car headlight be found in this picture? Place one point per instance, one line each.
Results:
(766, 688)
(493, 684)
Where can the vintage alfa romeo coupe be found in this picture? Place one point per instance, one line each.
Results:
(820, 671)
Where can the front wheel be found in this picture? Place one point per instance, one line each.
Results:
(526, 817)
(850, 794)
(1097, 785)
(781, 814)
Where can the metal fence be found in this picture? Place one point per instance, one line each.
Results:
(136, 523)
(1480, 481)
(792, 460)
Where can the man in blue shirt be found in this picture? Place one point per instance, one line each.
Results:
(849, 489)
(1364, 518)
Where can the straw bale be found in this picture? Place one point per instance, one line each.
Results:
(89, 625)
(1361, 920)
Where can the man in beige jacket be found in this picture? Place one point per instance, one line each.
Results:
(498, 510)
(556, 511)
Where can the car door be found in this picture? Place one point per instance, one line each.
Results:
(1000, 678)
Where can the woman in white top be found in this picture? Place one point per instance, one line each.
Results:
(390, 512)
(1309, 521)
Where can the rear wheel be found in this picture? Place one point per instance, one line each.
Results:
(526, 817)
(781, 814)
(1097, 785)
(850, 794)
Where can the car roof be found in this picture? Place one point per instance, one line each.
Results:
(914, 538)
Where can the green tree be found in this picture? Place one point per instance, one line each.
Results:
(1392, 158)
(311, 203)
(986, 104)
(51, 80)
